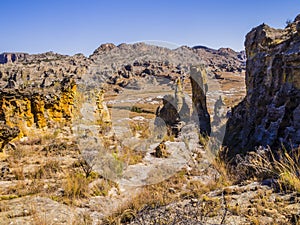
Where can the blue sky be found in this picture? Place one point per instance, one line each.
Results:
(73, 26)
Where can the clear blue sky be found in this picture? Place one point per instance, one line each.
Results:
(72, 26)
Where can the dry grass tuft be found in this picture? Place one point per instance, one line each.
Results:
(47, 170)
(130, 156)
(262, 164)
(76, 186)
(151, 196)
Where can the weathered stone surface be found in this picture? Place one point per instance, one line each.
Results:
(174, 110)
(248, 204)
(298, 28)
(223, 59)
(40, 90)
(199, 89)
(7, 134)
(168, 115)
(37, 91)
(110, 60)
(40, 210)
(269, 113)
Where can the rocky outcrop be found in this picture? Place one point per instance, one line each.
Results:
(12, 57)
(127, 75)
(248, 204)
(7, 134)
(174, 110)
(199, 89)
(38, 91)
(269, 114)
(104, 48)
(110, 58)
(103, 112)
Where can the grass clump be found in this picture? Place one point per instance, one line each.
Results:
(288, 170)
(76, 186)
(284, 168)
(47, 170)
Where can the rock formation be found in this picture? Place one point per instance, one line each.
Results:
(12, 57)
(37, 91)
(174, 109)
(7, 134)
(168, 114)
(269, 115)
(179, 97)
(199, 89)
(143, 59)
(104, 115)
(223, 59)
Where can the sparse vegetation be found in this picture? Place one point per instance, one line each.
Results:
(87, 162)
(130, 156)
(102, 187)
(140, 128)
(47, 170)
(288, 22)
(262, 164)
(76, 186)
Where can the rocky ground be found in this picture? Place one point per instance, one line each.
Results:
(244, 204)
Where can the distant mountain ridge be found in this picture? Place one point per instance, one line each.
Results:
(223, 59)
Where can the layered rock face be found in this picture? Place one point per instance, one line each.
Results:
(38, 91)
(270, 113)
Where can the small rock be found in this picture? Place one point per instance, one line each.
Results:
(172, 190)
(194, 200)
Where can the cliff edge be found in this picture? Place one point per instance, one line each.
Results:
(269, 115)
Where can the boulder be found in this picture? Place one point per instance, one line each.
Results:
(7, 134)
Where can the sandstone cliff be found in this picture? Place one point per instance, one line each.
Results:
(270, 113)
(38, 91)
